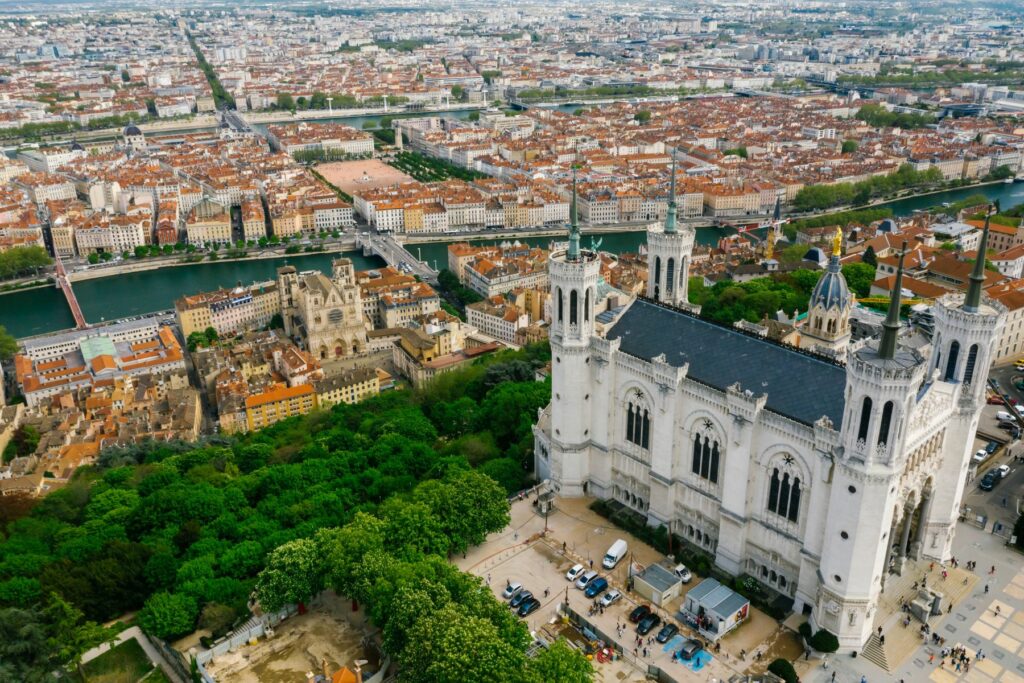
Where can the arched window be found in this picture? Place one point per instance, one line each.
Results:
(670, 276)
(706, 457)
(561, 304)
(794, 501)
(773, 491)
(573, 307)
(972, 358)
(657, 275)
(784, 496)
(883, 430)
(865, 419)
(638, 425)
(714, 463)
(954, 351)
(586, 305)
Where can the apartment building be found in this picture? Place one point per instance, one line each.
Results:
(348, 387)
(497, 318)
(209, 221)
(278, 403)
(229, 311)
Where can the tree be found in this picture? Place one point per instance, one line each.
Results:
(70, 634)
(473, 116)
(784, 670)
(869, 257)
(211, 335)
(169, 615)
(859, 277)
(141, 251)
(25, 654)
(849, 146)
(8, 344)
(560, 662)
(457, 91)
(217, 618)
(642, 116)
(294, 573)
(451, 645)
(285, 101)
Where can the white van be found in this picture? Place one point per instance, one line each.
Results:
(614, 554)
(1003, 415)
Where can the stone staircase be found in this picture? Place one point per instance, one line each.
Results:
(874, 652)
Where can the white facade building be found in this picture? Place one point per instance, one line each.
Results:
(816, 477)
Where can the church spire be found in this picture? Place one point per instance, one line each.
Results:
(670, 218)
(891, 326)
(977, 280)
(573, 253)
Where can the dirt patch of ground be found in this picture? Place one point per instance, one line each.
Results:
(351, 177)
(301, 643)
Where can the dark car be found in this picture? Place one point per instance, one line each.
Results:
(639, 613)
(991, 447)
(596, 587)
(519, 599)
(689, 649)
(647, 624)
(528, 607)
(989, 481)
(667, 632)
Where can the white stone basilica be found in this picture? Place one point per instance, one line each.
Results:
(815, 476)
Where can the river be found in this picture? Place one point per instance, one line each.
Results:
(37, 311)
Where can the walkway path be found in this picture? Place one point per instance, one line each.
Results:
(147, 647)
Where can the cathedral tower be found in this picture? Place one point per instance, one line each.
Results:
(967, 328)
(882, 380)
(668, 256)
(574, 277)
(828, 313)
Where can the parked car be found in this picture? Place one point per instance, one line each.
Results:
(690, 649)
(511, 590)
(1003, 415)
(980, 456)
(585, 579)
(639, 613)
(991, 447)
(684, 574)
(610, 598)
(574, 573)
(596, 587)
(1003, 470)
(989, 481)
(995, 400)
(645, 625)
(528, 607)
(519, 599)
(667, 632)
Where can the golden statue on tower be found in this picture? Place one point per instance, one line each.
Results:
(837, 242)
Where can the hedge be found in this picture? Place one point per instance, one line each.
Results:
(784, 670)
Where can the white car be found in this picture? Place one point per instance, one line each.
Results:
(512, 589)
(683, 573)
(585, 579)
(1003, 415)
(1004, 471)
(980, 456)
(610, 598)
(574, 573)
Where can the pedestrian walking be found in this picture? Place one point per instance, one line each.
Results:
(591, 564)
(881, 640)
(931, 658)
(833, 677)
(986, 588)
(488, 579)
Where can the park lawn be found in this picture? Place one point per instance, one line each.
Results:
(126, 663)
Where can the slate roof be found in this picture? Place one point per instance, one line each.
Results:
(800, 386)
(831, 290)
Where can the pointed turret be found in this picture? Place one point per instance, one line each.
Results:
(891, 326)
(977, 279)
(670, 217)
(777, 215)
(573, 253)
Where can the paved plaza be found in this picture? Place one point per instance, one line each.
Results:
(523, 552)
(973, 624)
